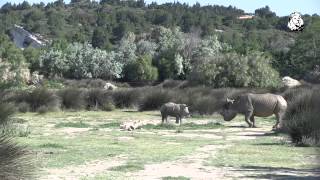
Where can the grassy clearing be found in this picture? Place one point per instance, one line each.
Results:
(104, 141)
(58, 151)
(265, 151)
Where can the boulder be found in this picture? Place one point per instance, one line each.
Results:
(110, 86)
(290, 82)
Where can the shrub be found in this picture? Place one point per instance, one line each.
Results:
(234, 70)
(43, 109)
(41, 97)
(290, 93)
(6, 110)
(141, 70)
(170, 83)
(154, 99)
(108, 106)
(72, 98)
(301, 119)
(23, 107)
(204, 105)
(85, 83)
(127, 98)
(98, 99)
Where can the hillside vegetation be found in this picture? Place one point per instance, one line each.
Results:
(132, 41)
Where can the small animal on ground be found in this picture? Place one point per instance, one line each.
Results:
(251, 105)
(178, 111)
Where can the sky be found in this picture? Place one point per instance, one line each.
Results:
(280, 7)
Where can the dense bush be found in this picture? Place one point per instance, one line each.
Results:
(6, 110)
(200, 100)
(39, 97)
(80, 61)
(234, 70)
(141, 70)
(154, 98)
(128, 98)
(99, 99)
(85, 83)
(170, 83)
(301, 119)
(72, 98)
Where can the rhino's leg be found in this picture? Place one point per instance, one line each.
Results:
(177, 120)
(163, 118)
(278, 121)
(247, 117)
(253, 121)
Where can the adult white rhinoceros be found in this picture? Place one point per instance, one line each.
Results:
(261, 105)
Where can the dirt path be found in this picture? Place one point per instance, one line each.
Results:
(193, 166)
(188, 166)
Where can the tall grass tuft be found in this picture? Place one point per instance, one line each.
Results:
(14, 160)
(6, 110)
(301, 119)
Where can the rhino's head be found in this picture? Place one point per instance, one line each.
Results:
(184, 110)
(227, 112)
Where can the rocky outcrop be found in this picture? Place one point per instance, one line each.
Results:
(24, 39)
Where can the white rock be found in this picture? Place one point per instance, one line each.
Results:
(110, 86)
(290, 82)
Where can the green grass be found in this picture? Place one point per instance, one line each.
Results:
(175, 178)
(79, 124)
(110, 125)
(184, 126)
(103, 141)
(51, 145)
(129, 167)
(264, 152)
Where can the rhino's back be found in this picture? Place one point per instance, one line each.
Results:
(264, 104)
(170, 108)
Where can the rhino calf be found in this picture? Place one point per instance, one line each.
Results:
(250, 105)
(176, 110)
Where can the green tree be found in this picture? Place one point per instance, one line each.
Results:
(141, 70)
(32, 56)
(305, 54)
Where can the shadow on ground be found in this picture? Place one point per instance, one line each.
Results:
(259, 172)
